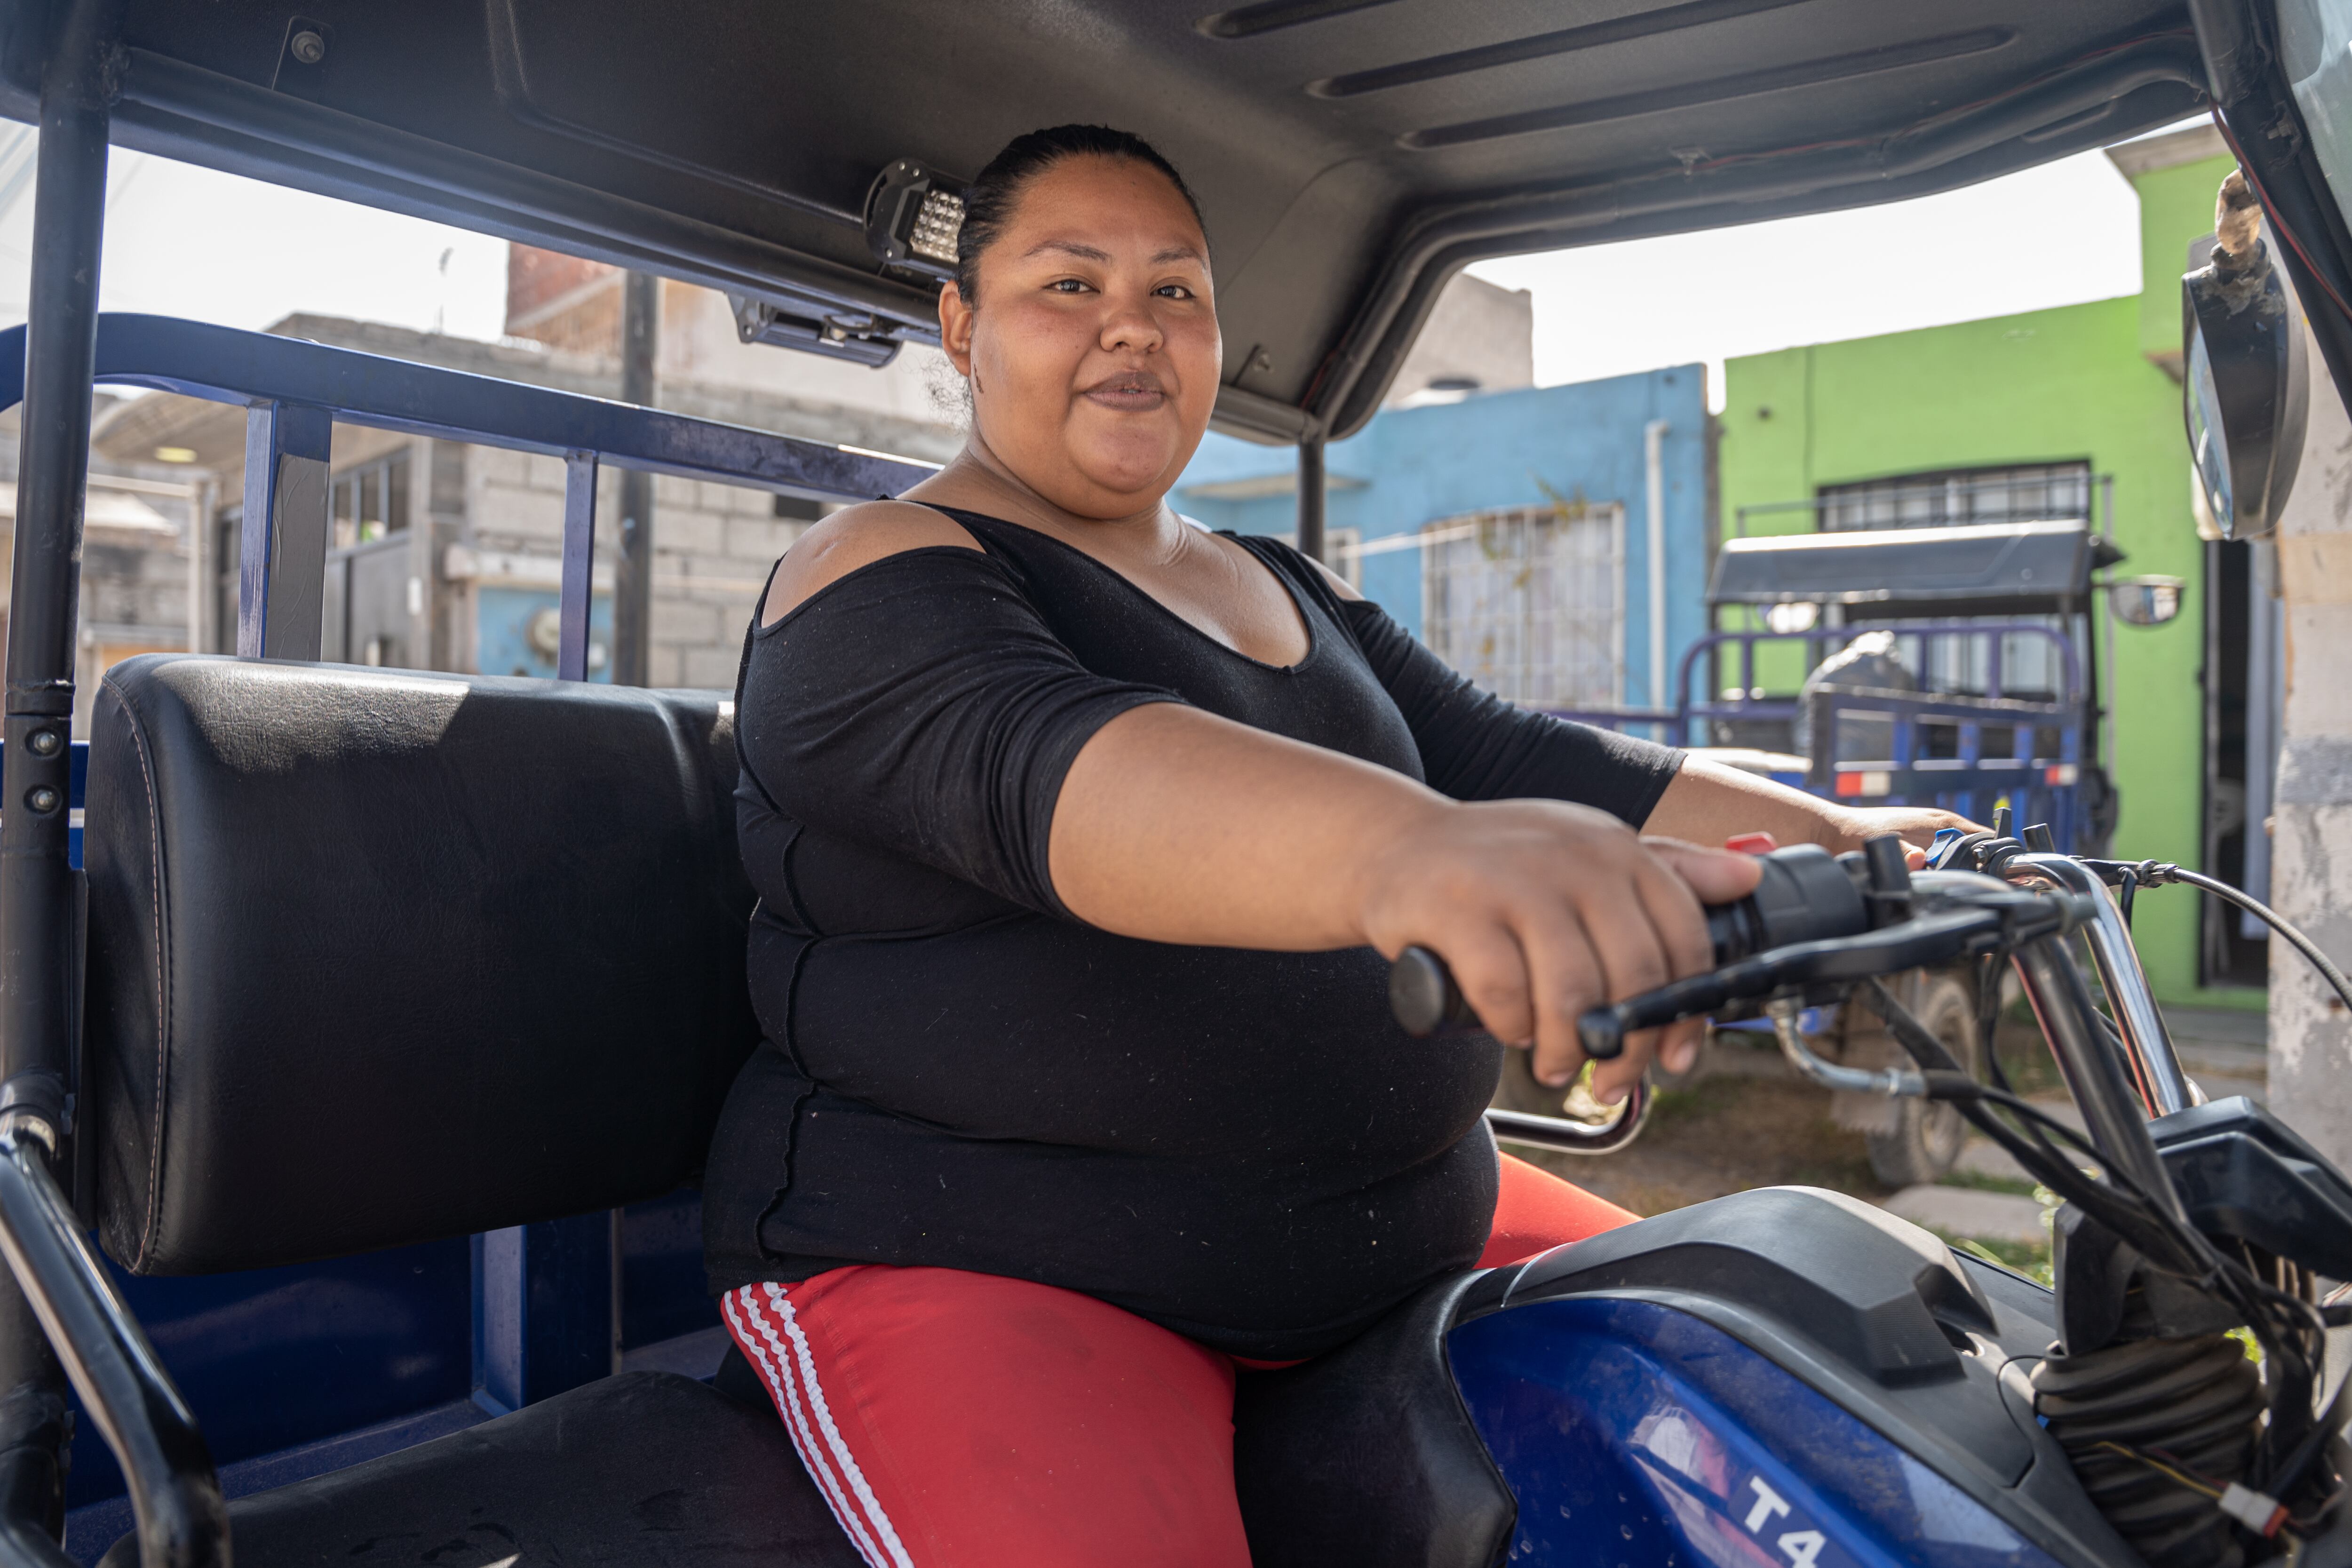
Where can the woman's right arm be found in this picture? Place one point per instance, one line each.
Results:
(1177, 825)
(926, 707)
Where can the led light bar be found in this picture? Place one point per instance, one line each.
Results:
(913, 217)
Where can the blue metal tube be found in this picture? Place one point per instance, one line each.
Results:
(578, 592)
(183, 1523)
(59, 350)
(37, 894)
(222, 364)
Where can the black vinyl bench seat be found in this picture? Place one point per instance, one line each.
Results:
(644, 1469)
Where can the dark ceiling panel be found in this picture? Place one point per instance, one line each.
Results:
(1348, 154)
(1564, 41)
(1251, 20)
(1717, 91)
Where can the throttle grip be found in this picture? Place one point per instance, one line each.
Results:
(1426, 1001)
(1804, 895)
(1423, 995)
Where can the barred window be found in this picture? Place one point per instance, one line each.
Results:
(2037, 493)
(371, 501)
(1529, 601)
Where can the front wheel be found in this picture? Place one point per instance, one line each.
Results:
(1921, 1141)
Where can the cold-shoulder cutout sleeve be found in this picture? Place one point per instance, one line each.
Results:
(921, 704)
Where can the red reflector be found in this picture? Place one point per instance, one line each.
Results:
(1751, 843)
(1848, 783)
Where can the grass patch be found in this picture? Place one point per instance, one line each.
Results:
(2025, 1057)
(1703, 1098)
(2015, 1185)
(2029, 1259)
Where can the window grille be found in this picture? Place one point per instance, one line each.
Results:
(371, 500)
(1529, 601)
(2040, 493)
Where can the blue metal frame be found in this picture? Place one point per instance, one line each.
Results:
(2040, 788)
(302, 1369)
(295, 391)
(223, 365)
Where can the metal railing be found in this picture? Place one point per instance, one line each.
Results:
(2042, 783)
(294, 391)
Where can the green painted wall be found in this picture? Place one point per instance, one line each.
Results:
(2068, 384)
(2176, 206)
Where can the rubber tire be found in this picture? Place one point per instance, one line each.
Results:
(1926, 1141)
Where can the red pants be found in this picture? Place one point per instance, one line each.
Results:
(959, 1420)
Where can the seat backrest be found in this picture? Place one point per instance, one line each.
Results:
(376, 956)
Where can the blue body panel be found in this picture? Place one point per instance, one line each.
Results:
(275, 1357)
(1635, 1435)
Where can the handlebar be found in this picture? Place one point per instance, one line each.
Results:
(1821, 923)
(1804, 895)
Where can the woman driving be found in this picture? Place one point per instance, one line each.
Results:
(1080, 835)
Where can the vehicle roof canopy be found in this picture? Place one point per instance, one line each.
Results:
(2011, 568)
(1351, 154)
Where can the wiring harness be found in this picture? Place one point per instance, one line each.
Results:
(2193, 1454)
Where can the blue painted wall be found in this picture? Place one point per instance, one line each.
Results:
(1412, 466)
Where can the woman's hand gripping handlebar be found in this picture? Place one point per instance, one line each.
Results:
(1542, 910)
(1802, 894)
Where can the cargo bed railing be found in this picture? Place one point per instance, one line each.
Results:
(2043, 782)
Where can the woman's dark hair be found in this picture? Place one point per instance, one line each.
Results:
(988, 200)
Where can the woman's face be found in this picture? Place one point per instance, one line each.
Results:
(1094, 355)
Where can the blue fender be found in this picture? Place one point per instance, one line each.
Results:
(1635, 1436)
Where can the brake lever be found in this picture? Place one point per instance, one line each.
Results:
(1923, 942)
(1426, 1001)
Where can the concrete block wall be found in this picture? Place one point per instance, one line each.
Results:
(713, 545)
(2310, 1061)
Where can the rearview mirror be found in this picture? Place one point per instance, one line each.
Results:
(2144, 601)
(2244, 388)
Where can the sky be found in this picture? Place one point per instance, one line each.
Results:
(186, 241)
(2058, 234)
(190, 242)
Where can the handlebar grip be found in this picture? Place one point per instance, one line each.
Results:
(1804, 894)
(1426, 1001)
(1423, 995)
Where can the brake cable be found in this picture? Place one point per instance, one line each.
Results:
(2156, 873)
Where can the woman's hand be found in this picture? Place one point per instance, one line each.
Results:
(1544, 909)
(1177, 825)
(1709, 801)
(1917, 826)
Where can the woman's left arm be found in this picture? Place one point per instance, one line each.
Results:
(1474, 746)
(1709, 802)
